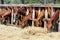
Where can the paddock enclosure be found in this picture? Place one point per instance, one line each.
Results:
(30, 15)
(29, 19)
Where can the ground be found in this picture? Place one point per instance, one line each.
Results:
(29, 33)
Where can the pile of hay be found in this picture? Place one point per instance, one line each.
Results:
(29, 33)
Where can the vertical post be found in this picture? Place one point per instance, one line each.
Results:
(59, 23)
(52, 11)
(52, 15)
(46, 16)
(39, 10)
(27, 11)
(33, 16)
(0, 10)
(12, 17)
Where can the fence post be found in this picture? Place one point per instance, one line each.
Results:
(52, 11)
(27, 12)
(46, 16)
(39, 10)
(12, 17)
(33, 16)
(59, 22)
(0, 10)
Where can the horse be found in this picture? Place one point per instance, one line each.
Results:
(26, 18)
(53, 19)
(39, 18)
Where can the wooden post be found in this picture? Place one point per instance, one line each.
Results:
(52, 11)
(0, 10)
(46, 16)
(27, 11)
(33, 16)
(59, 22)
(12, 17)
(39, 10)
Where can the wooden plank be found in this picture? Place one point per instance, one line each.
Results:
(33, 5)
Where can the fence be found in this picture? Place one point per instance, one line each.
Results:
(33, 14)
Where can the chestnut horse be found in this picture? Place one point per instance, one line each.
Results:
(52, 20)
(39, 18)
(26, 18)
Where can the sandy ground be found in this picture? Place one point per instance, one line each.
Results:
(29, 33)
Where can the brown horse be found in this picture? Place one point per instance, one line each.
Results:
(39, 17)
(22, 10)
(17, 10)
(4, 13)
(26, 18)
(52, 20)
(7, 12)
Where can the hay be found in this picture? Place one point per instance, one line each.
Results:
(29, 33)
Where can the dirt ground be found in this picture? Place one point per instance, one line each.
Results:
(29, 33)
